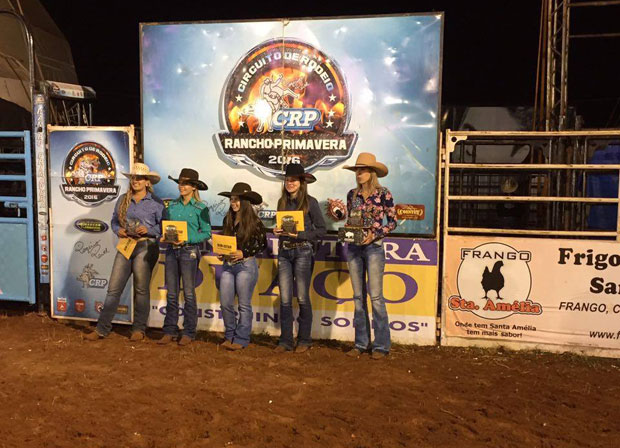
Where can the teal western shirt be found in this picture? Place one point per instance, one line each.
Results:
(196, 214)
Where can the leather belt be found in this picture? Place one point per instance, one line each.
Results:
(288, 245)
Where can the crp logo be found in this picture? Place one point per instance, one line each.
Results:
(89, 175)
(286, 102)
(296, 119)
(494, 281)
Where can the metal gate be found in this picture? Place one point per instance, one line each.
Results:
(16, 219)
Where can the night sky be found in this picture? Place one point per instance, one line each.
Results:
(489, 53)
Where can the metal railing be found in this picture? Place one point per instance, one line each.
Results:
(18, 202)
(545, 194)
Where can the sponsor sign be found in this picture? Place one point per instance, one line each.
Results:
(91, 225)
(40, 124)
(80, 306)
(410, 211)
(241, 100)
(61, 304)
(560, 292)
(89, 174)
(85, 164)
(410, 290)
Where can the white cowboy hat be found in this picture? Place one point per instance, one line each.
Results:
(142, 169)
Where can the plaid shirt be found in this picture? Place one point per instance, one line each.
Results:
(378, 207)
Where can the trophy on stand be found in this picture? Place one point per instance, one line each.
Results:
(354, 231)
(132, 227)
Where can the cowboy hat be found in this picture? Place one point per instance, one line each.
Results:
(141, 169)
(244, 191)
(368, 160)
(297, 170)
(190, 176)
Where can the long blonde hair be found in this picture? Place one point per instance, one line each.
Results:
(374, 183)
(122, 209)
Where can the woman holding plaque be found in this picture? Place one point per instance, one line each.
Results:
(240, 270)
(376, 206)
(296, 256)
(183, 257)
(137, 221)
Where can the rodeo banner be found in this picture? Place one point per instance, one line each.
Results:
(238, 101)
(85, 181)
(556, 292)
(409, 287)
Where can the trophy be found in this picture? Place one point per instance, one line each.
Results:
(171, 234)
(132, 227)
(289, 225)
(354, 231)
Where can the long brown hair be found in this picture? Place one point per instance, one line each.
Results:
(374, 183)
(126, 201)
(302, 196)
(249, 221)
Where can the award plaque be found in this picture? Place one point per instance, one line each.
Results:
(171, 234)
(354, 231)
(289, 225)
(291, 222)
(174, 231)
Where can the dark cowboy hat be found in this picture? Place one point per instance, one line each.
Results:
(244, 191)
(297, 170)
(190, 176)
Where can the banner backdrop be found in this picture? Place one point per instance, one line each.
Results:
(85, 182)
(561, 292)
(410, 290)
(237, 101)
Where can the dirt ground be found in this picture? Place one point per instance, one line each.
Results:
(60, 391)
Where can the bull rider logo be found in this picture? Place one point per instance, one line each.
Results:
(494, 281)
(89, 175)
(286, 102)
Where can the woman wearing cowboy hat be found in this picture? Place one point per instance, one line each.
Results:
(295, 258)
(137, 214)
(240, 272)
(376, 205)
(182, 259)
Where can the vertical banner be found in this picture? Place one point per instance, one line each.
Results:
(40, 132)
(238, 101)
(526, 290)
(409, 285)
(86, 166)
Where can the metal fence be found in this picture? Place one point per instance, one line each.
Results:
(16, 218)
(532, 183)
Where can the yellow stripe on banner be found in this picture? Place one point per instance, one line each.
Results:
(409, 290)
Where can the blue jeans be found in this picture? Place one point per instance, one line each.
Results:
(295, 264)
(239, 279)
(369, 259)
(181, 263)
(140, 264)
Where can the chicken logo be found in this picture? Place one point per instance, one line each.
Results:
(494, 281)
(285, 102)
(89, 176)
